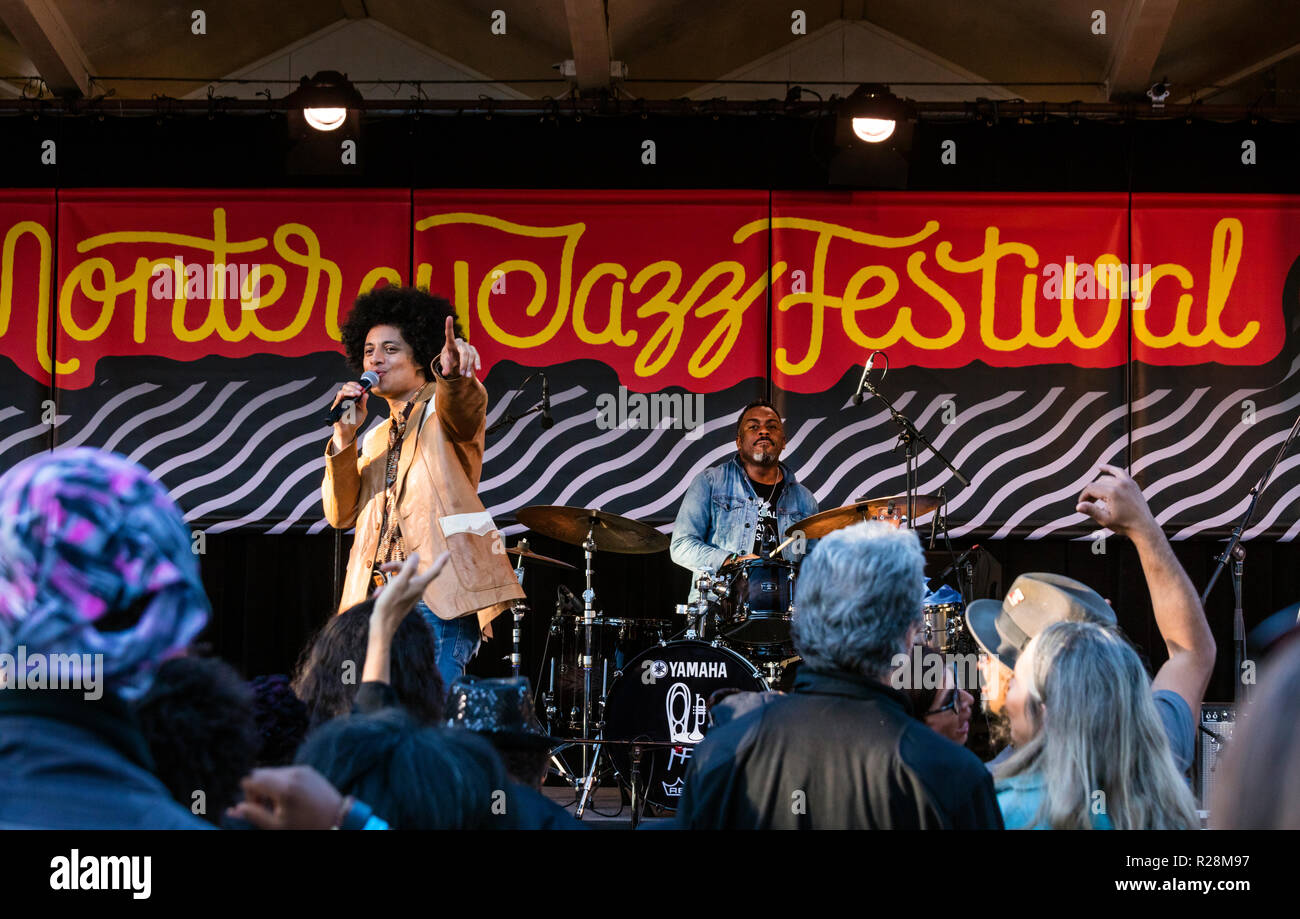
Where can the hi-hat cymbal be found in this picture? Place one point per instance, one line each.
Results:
(892, 510)
(523, 550)
(610, 532)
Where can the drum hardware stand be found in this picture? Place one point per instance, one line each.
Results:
(517, 609)
(688, 610)
(637, 806)
(561, 768)
(587, 782)
(909, 437)
(588, 614)
(638, 747)
(1234, 551)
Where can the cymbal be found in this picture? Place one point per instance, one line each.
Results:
(890, 510)
(611, 532)
(525, 552)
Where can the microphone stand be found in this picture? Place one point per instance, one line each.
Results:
(1235, 552)
(909, 436)
(509, 417)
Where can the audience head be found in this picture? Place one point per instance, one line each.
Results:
(942, 704)
(281, 720)
(1083, 720)
(413, 776)
(1258, 785)
(197, 717)
(501, 711)
(860, 600)
(1036, 600)
(330, 671)
(96, 558)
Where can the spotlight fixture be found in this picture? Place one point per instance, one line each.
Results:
(1158, 93)
(873, 137)
(870, 114)
(324, 99)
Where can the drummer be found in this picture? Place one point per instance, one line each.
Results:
(738, 511)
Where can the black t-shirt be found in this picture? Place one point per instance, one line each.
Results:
(767, 537)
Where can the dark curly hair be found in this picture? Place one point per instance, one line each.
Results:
(415, 679)
(197, 718)
(420, 316)
(413, 776)
(281, 719)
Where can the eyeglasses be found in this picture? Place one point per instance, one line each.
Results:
(951, 705)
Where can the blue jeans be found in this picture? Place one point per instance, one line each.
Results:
(457, 642)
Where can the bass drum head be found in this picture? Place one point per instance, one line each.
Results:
(661, 695)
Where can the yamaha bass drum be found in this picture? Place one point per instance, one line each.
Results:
(662, 695)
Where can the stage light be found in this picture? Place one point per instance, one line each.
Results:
(324, 99)
(873, 130)
(325, 119)
(873, 134)
(1158, 93)
(871, 113)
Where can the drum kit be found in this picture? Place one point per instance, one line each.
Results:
(634, 693)
(631, 695)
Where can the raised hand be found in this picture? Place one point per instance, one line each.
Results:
(398, 597)
(458, 358)
(1115, 501)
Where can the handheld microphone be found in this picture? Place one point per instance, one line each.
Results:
(368, 379)
(871, 362)
(547, 420)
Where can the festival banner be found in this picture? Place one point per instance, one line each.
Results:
(26, 292)
(198, 333)
(993, 346)
(1027, 335)
(1216, 308)
(646, 313)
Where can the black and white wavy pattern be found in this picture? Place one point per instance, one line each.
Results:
(240, 453)
(1200, 483)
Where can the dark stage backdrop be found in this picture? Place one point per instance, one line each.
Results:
(1029, 335)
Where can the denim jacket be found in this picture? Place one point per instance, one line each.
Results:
(719, 516)
(1019, 798)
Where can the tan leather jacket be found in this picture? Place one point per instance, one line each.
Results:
(438, 507)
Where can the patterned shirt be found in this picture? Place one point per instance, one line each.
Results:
(391, 548)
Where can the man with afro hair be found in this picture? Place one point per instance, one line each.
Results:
(411, 487)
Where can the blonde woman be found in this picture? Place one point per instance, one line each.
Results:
(1090, 750)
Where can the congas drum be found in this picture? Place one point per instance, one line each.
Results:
(662, 695)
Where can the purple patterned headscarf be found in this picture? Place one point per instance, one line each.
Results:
(86, 534)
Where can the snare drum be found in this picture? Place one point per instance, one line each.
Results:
(662, 695)
(943, 625)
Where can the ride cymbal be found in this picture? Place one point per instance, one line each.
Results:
(892, 510)
(610, 532)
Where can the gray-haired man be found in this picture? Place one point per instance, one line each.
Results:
(843, 751)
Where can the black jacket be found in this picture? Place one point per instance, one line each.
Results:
(840, 752)
(68, 763)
